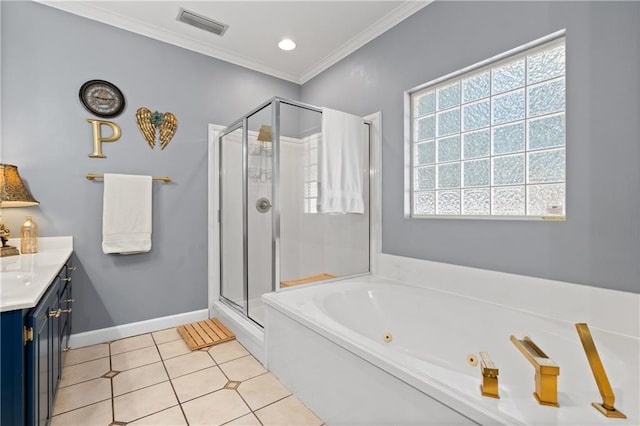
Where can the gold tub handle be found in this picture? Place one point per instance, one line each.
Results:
(489, 386)
(547, 371)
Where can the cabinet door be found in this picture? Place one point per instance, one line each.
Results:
(38, 366)
(40, 357)
(12, 379)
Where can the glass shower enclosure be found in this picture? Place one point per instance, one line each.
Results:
(272, 234)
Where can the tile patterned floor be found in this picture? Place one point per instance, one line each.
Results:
(154, 379)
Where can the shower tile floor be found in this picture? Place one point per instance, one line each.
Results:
(154, 379)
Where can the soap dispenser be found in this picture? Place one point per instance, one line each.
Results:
(29, 236)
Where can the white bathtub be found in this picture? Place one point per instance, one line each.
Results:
(325, 342)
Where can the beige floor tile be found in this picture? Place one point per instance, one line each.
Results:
(248, 420)
(136, 358)
(262, 390)
(227, 351)
(138, 378)
(167, 335)
(77, 373)
(173, 417)
(242, 368)
(87, 353)
(287, 412)
(82, 394)
(131, 343)
(141, 403)
(199, 383)
(173, 349)
(188, 363)
(99, 414)
(215, 408)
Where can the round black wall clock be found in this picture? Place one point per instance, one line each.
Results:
(102, 98)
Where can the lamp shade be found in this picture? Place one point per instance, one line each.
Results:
(13, 193)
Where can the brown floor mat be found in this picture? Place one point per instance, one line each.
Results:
(205, 333)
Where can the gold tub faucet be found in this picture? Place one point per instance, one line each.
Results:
(547, 371)
(608, 397)
(489, 372)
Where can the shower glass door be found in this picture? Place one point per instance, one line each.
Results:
(315, 246)
(232, 277)
(259, 211)
(246, 164)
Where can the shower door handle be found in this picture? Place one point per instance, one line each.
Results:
(263, 205)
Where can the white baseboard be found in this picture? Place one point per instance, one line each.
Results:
(108, 334)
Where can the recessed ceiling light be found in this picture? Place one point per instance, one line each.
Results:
(286, 44)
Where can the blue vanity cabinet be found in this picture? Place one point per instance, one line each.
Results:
(32, 348)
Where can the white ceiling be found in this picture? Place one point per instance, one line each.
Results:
(324, 31)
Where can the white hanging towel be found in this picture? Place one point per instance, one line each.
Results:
(126, 214)
(341, 163)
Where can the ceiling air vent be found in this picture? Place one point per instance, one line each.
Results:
(202, 22)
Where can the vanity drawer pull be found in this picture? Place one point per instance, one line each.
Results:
(66, 280)
(65, 311)
(71, 268)
(70, 300)
(55, 313)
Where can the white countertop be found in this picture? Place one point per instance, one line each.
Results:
(25, 278)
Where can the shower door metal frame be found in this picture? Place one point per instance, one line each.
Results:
(242, 123)
(275, 194)
(276, 183)
(275, 259)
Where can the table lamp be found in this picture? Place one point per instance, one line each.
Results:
(13, 193)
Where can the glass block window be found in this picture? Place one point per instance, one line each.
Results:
(490, 141)
(310, 171)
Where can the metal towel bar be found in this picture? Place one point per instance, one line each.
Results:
(92, 176)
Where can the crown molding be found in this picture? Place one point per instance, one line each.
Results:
(383, 24)
(91, 11)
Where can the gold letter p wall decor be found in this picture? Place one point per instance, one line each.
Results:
(98, 138)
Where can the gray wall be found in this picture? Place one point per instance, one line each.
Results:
(46, 55)
(599, 244)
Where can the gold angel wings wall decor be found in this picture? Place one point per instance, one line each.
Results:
(152, 123)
